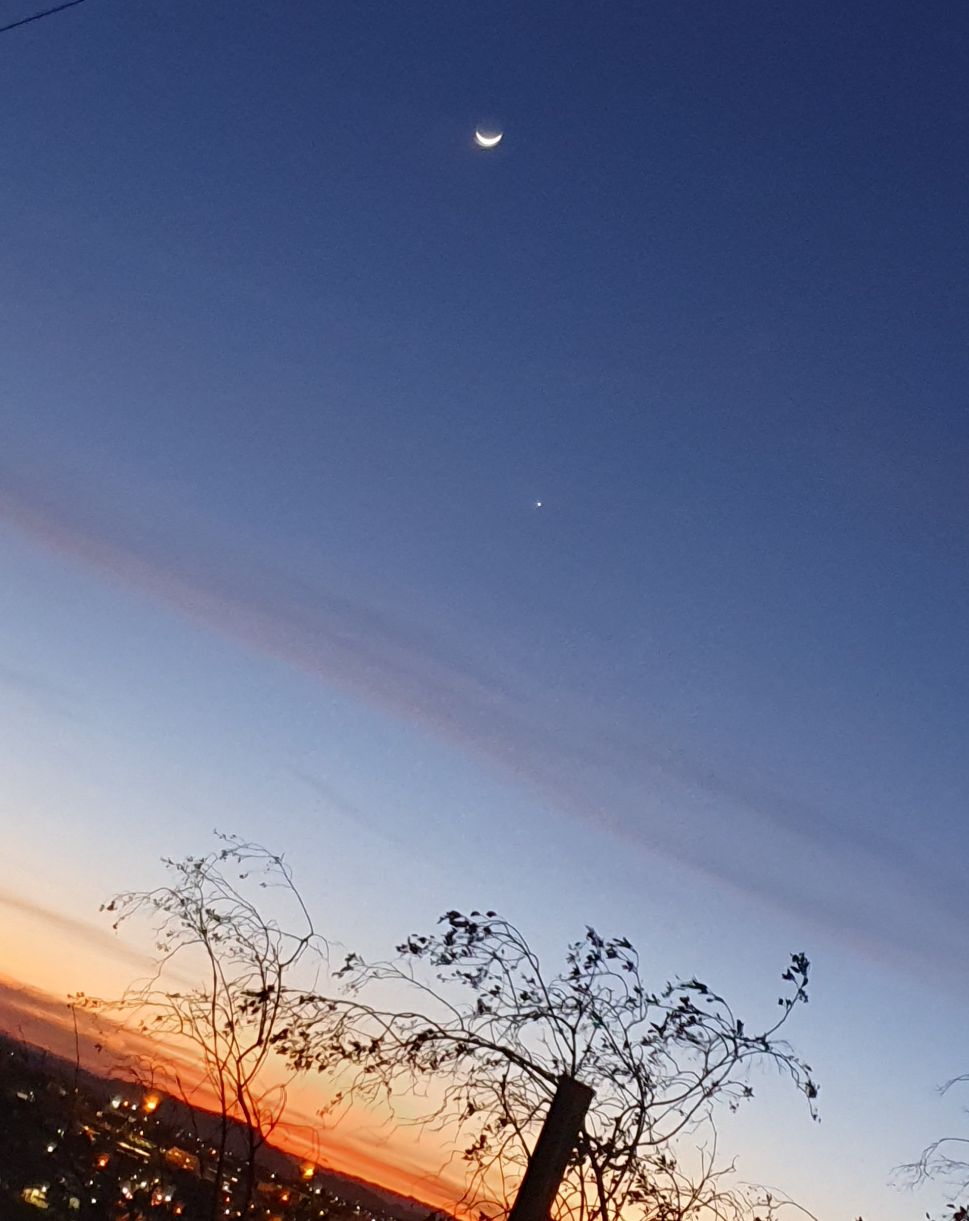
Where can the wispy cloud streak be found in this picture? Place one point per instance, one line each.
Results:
(580, 759)
(35, 689)
(78, 932)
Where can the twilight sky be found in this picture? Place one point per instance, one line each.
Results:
(286, 365)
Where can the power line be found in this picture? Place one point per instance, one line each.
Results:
(37, 16)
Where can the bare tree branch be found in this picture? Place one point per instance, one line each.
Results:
(205, 921)
(490, 1034)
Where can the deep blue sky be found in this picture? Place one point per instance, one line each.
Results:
(287, 363)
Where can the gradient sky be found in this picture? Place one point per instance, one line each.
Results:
(286, 364)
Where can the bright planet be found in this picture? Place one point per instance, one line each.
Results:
(487, 139)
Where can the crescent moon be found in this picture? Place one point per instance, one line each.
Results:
(483, 140)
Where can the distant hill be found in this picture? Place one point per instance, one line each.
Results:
(370, 1196)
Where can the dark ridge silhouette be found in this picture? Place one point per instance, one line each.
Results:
(29, 1072)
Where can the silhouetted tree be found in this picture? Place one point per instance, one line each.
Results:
(474, 1026)
(945, 1160)
(209, 929)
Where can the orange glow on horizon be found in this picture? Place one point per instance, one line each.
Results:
(407, 1168)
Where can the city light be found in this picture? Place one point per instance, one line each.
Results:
(109, 1145)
